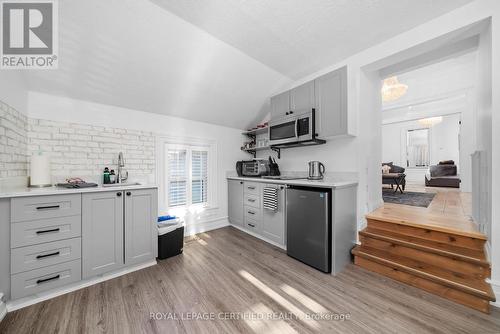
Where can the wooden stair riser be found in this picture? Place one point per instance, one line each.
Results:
(424, 284)
(428, 234)
(438, 275)
(456, 267)
(473, 255)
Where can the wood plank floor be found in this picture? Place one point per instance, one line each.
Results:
(228, 271)
(449, 201)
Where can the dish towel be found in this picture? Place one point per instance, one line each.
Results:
(271, 198)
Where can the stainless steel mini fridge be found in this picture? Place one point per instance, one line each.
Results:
(308, 219)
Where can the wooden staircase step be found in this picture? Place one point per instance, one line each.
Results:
(434, 249)
(477, 288)
(421, 218)
(457, 296)
(423, 232)
(467, 254)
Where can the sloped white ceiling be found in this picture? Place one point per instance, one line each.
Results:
(299, 37)
(216, 61)
(134, 54)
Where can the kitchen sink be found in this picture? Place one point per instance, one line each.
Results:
(124, 184)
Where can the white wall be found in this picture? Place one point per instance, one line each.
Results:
(444, 144)
(361, 84)
(54, 108)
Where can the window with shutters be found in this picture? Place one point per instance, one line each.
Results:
(187, 175)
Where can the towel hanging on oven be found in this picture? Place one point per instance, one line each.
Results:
(271, 198)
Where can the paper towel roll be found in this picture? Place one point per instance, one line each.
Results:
(40, 175)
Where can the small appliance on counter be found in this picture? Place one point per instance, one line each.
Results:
(316, 170)
(40, 175)
(253, 168)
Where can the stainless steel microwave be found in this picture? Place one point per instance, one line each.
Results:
(292, 129)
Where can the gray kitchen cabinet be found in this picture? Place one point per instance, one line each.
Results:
(273, 222)
(280, 105)
(102, 232)
(302, 98)
(331, 104)
(235, 202)
(140, 226)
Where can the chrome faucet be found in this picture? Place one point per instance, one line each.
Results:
(121, 163)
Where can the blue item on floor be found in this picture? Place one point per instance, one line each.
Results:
(167, 217)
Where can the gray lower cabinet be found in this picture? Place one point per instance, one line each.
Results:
(273, 221)
(140, 226)
(102, 232)
(246, 210)
(235, 202)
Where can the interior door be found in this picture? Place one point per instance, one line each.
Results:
(102, 232)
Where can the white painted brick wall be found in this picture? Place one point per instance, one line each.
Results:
(13, 138)
(80, 150)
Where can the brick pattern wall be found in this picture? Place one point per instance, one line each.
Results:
(13, 138)
(80, 150)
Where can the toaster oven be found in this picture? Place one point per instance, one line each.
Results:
(257, 167)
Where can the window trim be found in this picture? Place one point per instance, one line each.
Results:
(209, 145)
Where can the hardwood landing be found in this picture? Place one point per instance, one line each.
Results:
(229, 271)
(438, 253)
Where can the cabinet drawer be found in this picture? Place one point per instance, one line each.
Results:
(252, 225)
(38, 280)
(253, 213)
(251, 188)
(43, 255)
(44, 230)
(252, 200)
(43, 207)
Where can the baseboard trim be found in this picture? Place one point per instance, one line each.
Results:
(213, 224)
(495, 285)
(3, 308)
(40, 297)
(259, 237)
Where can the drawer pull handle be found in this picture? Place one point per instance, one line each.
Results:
(48, 279)
(251, 225)
(251, 200)
(252, 188)
(48, 207)
(47, 255)
(250, 212)
(48, 231)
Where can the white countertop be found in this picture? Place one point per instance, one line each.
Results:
(327, 182)
(24, 191)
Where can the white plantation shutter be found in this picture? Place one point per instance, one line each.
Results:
(177, 177)
(199, 172)
(187, 175)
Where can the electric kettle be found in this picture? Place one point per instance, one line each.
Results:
(316, 170)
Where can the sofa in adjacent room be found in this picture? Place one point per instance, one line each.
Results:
(443, 174)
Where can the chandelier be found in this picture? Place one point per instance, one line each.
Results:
(430, 122)
(392, 89)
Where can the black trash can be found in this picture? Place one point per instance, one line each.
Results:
(171, 243)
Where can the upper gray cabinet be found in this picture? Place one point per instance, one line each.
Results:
(328, 96)
(302, 98)
(280, 105)
(331, 104)
(140, 226)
